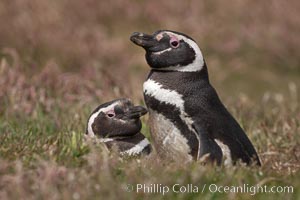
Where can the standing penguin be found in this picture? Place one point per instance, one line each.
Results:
(117, 123)
(187, 118)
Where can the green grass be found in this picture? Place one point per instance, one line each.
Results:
(46, 156)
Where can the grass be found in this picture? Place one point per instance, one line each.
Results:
(60, 60)
(44, 155)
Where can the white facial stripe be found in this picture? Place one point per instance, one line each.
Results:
(138, 148)
(93, 116)
(226, 153)
(196, 65)
(159, 36)
(163, 51)
(155, 90)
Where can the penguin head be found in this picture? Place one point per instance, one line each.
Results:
(115, 119)
(170, 50)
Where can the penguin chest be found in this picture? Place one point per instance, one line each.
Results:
(171, 127)
(167, 138)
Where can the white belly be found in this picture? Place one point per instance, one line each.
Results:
(167, 139)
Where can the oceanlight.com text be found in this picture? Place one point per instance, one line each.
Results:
(212, 188)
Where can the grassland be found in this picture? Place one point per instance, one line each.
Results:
(60, 60)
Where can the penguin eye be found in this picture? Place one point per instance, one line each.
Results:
(110, 114)
(174, 42)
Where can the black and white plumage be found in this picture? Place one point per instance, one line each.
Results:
(187, 118)
(117, 123)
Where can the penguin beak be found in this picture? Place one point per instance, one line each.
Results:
(144, 40)
(136, 112)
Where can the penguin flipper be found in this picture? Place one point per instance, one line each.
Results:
(239, 145)
(232, 135)
(208, 146)
(219, 124)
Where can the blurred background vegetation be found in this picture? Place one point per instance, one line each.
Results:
(60, 59)
(80, 50)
